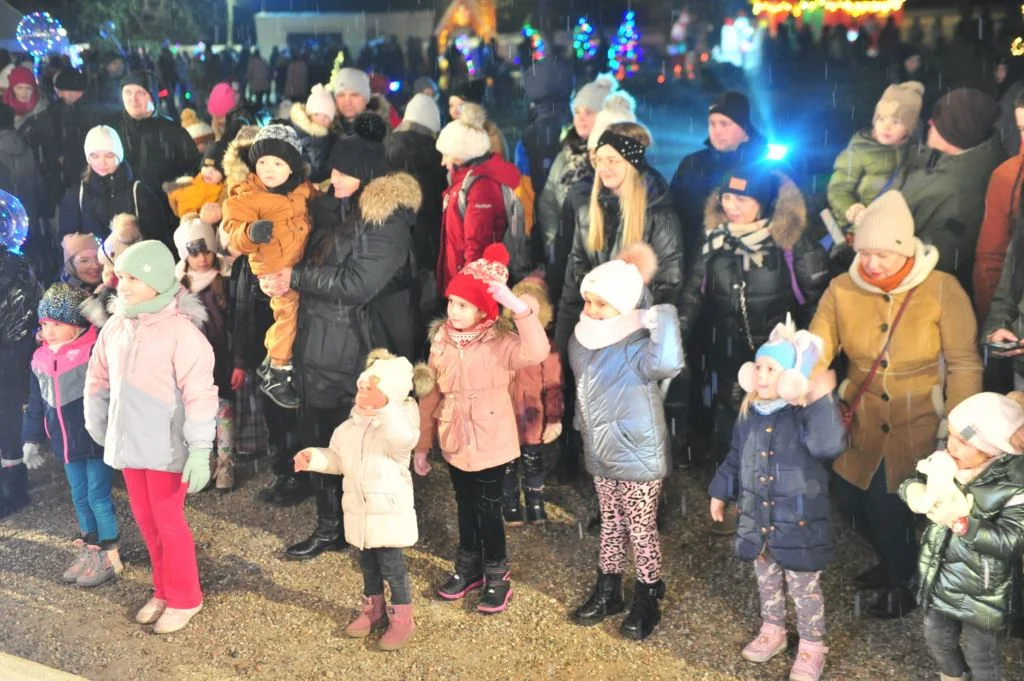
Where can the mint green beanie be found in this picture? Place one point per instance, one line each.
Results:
(150, 262)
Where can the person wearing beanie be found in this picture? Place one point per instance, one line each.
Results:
(124, 231)
(625, 440)
(548, 86)
(473, 91)
(23, 94)
(351, 88)
(422, 111)
(876, 158)
(266, 218)
(190, 194)
(485, 355)
(59, 369)
(36, 125)
(425, 85)
(946, 187)
(891, 315)
(313, 121)
(73, 114)
(228, 112)
(156, 417)
(973, 542)
(198, 129)
(466, 149)
(221, 101)
(791, 413)
(371, 449)
(71, 82)
(82, 267)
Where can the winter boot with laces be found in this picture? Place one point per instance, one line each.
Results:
(645, 613)
(510, 506)
(468, 575)
(70, 575)
(770, 641)
(224, 472)
(400, 627)
(279, 388)
(100, 566)
(498, 588)
(371, 617)
(606, 599)
(810, 661)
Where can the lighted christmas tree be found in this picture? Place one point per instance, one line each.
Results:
(625, 55)
(584, 42)
(537, 46)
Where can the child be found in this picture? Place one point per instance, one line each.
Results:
(55, 413)
(619, 353)
(873, 158)
(151, 400)
(203, 273)
(81, 262)
(539, 403)
(471, 411)
(783, 523)
(313, 123)
(972, 548)
(124, 231)
(372, 450)
(266, 218)
(190, 194)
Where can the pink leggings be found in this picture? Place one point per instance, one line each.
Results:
(157, 499)
(629, 512)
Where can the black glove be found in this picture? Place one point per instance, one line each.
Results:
(261, 231)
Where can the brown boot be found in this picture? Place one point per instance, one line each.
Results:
(224, 473)
(372, 617)
(400, 627)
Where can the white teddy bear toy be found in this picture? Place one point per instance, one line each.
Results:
(940, 469)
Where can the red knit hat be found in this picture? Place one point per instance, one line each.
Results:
(471, 282)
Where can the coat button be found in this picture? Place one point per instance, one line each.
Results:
(885, 428)
(802, 523)
(885, 397)
(884, 364)
(764, 453)
(768, 429)
(884, 327)
(764, 530)
(764, 503)
(762, 478)
(886, 297)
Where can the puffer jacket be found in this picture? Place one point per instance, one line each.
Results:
(359, 295)
(411, 149)
(315, 142)
(860, 172)
(21, 162)
(619, 404)
(158, 149)
(149, 391)
(88, 207)
(538, 396)
(975, 578)
(56, 393)
(570, 165)
(470, 408)
(189, 194)
(373, 454)
(252, 201)
(776, 469)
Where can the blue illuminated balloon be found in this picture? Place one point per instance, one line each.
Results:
(40, 34)
(13, 222)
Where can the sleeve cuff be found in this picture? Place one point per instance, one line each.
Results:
(317, 461)
(973, 525)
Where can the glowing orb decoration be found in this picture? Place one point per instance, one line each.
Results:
(40, 34)
(13, 222)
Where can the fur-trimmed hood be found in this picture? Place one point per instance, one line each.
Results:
(502, 326)
(534, 287)
(301, 120)
(185, 303)
(387, 194)
(236, 165)
(788, 222)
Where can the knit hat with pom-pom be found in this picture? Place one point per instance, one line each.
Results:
(280, 141)
(124, 231)
(361, 155)
(198, 129)
(471, 283)
(621, 281)
(222, 100)
(619, 107)
(62, 303)
(592, 95)
(465, 139)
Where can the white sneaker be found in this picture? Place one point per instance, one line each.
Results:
(151, 611)
(174, 619)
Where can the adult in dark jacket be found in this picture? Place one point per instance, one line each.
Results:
(20, 176)
(109, 187)
(356, 286)
(33, 120)
(755, 265)
(108, 87)
(74, 115)
(547, 85)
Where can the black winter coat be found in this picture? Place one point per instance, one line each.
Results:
(70, 126)
(411, 149)
(158, 149)
(20, 161)
(542, 139)
(19, 299)
(360, 296)
(249, 316)
(315, 141)
(38, 130)
(89, 206)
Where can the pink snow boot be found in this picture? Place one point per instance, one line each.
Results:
(810, 661)
(369, 619)
(770, 641)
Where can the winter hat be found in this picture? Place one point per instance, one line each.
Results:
(755, 180)
(422, 109)
(198, 129)
(424, 82)
(886, 225)
(281, 141)
(394, 375)
(214, 156)
(733, 105)
(222, 100)
(965, 117)
(62, 303)
(797, 352)
(471, 282)
(621, 281)
(152, 263)
(6, 117)
(76, 243)
(194, 236)
(903, 102)
(465, 138)
(361, 154)
(124, 231)
(70, 80)
(21, 76)
(630, 149)
(104, 138)
(548, 79)
(592, 95)
(321, 101)
(469, 90)
(603, 121)
(145, 80)
(352, 80)
(988, 421)
(5, 75)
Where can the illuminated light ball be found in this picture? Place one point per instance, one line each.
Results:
(13, 222)
(40, 34)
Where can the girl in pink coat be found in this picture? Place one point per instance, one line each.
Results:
(471, 412)
(151, 401)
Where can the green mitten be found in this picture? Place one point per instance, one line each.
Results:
(196, 473)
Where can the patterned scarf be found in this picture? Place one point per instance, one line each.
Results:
(577, 165)
(463, 337)
(745, 240)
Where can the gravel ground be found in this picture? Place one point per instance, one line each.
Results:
(268, 619)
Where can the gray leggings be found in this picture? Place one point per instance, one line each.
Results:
(380, 565)
(958, 647)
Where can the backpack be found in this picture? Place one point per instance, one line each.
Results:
(517, 232)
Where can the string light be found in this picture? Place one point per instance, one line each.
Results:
(537, 46)
(13, 222)
(584, 42)
(464, 44)
(625, 55)
(40, 34)
(1017, 47)
(853, 8)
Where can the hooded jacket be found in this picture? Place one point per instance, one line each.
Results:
(158, 149)
(189, 194)
(860, 172)
(410, 148)
(1002, 208)
(359, 297)
(149, 391)
(236, 163)
(538, 396)
(251, 201)
(89, 206)
(55, 402)
(315, 143)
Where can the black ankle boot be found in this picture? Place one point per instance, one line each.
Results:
(497, 590)
(13, 489)
(645, 613)
(535, 514)
(328, 535)
(279, 388)
(510, 506)
(468, 575)
(295, 490)
(533, 484)
(605, 599)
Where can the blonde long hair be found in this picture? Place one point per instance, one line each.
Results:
(632, 196)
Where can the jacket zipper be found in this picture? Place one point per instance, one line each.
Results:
(60, 412)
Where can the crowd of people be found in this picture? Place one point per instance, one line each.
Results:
(364, 293)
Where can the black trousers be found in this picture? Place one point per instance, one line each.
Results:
(385, 564)
(315, 426)
(478, 496)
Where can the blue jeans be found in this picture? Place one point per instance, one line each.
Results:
(90, 482)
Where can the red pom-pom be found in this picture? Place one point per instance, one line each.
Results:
(496, 253)
(642, 257)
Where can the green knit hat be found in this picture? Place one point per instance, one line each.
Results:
(151, 262)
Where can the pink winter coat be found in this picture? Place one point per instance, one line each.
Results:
(373, 455)
(471, 407)
(149, 391)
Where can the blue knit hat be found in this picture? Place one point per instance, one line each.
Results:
(782, 351)
(797, 352)
(62, 303)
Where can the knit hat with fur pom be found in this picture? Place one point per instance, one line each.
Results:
(280, 141)
(194, 236)
(198, 129)
(988, 421)
(321, 101)
(62, 303)
(361, 155)
(621, 281)
(465, 138)
(124, 231)
(471, 283)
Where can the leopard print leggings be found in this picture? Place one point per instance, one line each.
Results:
(629, 513)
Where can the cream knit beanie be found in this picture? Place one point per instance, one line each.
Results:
(886, 225)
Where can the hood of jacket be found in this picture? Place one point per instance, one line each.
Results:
(493, 167)
(49, 357)
(977, 161)
(236, 167)
(388, 194)
(787, 224)
(185, 304)
(301, 120)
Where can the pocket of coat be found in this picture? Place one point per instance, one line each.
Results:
(379, 504)
(447, 436)
(623, 436)
(493, 427)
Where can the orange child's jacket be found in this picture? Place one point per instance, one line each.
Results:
(251, 201)
(192, 194)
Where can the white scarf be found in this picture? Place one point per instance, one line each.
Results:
(594, 334)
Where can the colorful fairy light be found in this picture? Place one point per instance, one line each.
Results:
(464, 44)
(40, 34)
(853, 8)
(537, 46)
(584, 42)
(13, 222)
(625, 54)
